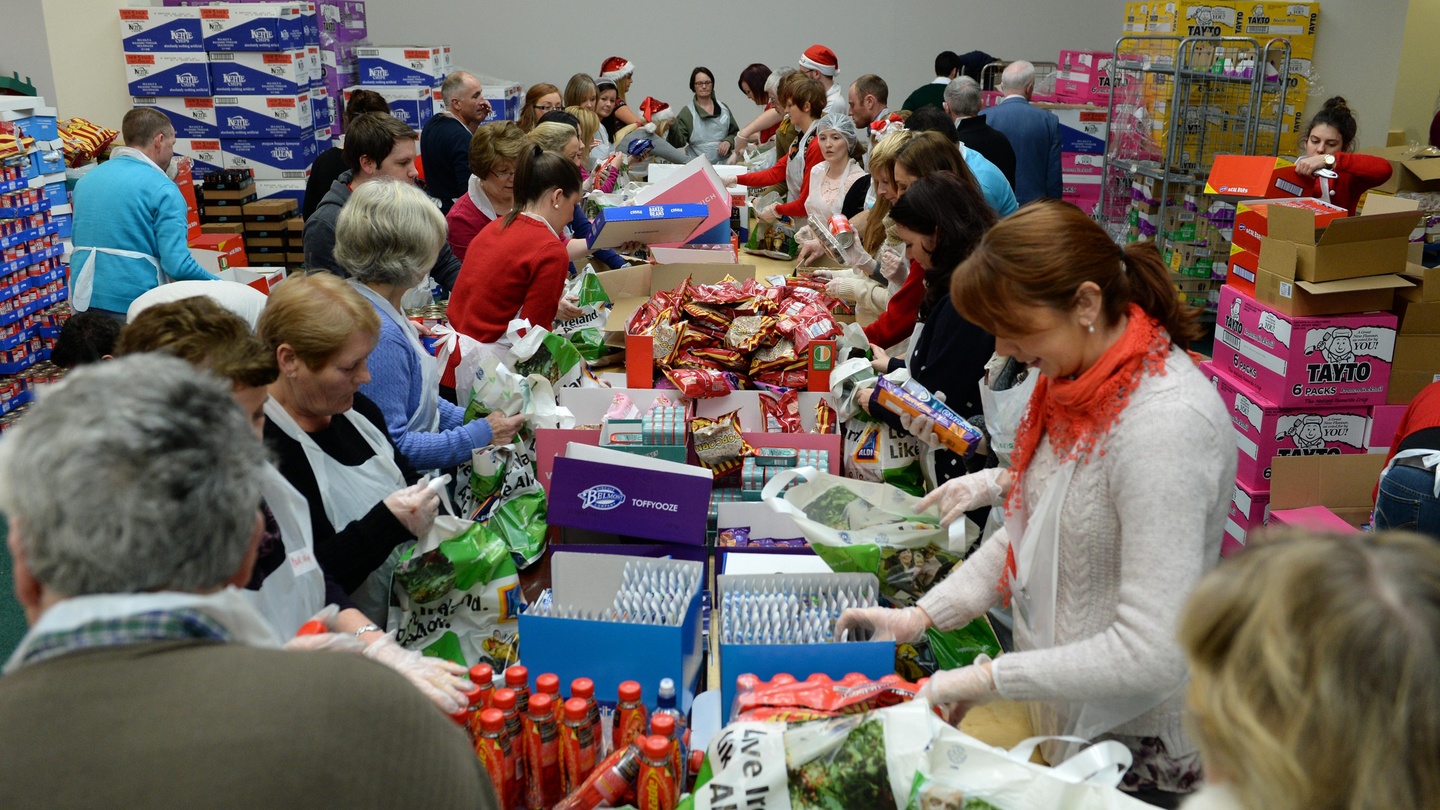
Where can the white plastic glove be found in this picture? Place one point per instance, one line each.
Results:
(846, 288)
(893, 267)
(811, 251)
(960, 495)
(961, 689)
(327, 640)
(438, 679)
(922, 428)
(906, 625)
(415, 507)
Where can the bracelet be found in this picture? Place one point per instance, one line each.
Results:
(369, 628)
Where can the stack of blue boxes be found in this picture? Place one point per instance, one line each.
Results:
(242, 82)
(408, 77)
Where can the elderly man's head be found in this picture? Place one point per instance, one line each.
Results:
(132, 476)
(1018, 78)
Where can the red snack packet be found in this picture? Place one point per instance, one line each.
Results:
(728, 359)
(804, 283)
(779, 357)
(722, 293)
(688, 360)
(853, 694)
(667, 337)
(718, 442)
(698, 383)
(785, 379)
(710, 315)
(825, 418)
(782, 415)
(813, 327)
(696, 338)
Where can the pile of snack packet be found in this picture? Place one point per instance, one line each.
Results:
(544, 751)
(711, 339)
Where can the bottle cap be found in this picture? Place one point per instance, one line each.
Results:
(492, 720)
(666, 697)
(482, 674)
(475, 695)
(540, 707)
(576, 709)
(549, 683)
(629, 691)
(662, 725)
(504, 699)
(517, 676)
(582, 688)
(656, 747)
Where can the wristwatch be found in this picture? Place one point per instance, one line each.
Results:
(369, 628)
(1329, 161)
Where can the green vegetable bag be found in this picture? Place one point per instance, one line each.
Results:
(587, 332)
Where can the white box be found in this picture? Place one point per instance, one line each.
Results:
(261, 73)
(206, 154)
(413, 105)
(266, 117)
(167, 74)
(192, 116)
(293, 188)
(160, 30)
(253, 27)
(416, 66)
(271, 159)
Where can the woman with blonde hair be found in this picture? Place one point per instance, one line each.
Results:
(494, 149)
(565, 140)
(539, 99)
(580, 92)
(1315, 674)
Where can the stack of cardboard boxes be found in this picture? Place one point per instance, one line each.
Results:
(248, 231)
(408, 77)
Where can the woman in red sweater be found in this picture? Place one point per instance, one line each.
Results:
(516, 266)
(1336, 175)
(803, 99)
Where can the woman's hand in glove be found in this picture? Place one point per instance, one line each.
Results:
(893, 267)
(961, 689)
(438, 679)
(846, 287)
(415, 507)
(906, 625)
(922, 428)
(811, 251)
(960, 495)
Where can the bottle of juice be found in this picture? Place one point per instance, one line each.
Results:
(493, 749)
(577, 745)
(663, 725)
(608, 784)
(482, 676)
(630, 716)
(584, 688)
(542, 755)
(518, 678)
(549, 683)
(666, 704)
(505, 701)
(655, 788)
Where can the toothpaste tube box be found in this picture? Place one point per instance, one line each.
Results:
(160, 30)
(271, 73)
(253, 27)
(192, 116)
(1305, 361)
(411, 66)
(1264, 430)
(1249, 510)
(911, 399)
(167, 74)
(205, 154)
(266, 117)
(271, 159)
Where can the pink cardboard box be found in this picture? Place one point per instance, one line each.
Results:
(1305, 362)
(1384, 421)
(1264, 431)
(1311, 518)
(1249, 510)
(1080, 163)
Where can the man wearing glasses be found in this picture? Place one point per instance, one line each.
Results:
(445, 141)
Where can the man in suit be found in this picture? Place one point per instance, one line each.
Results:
(962, 102)
(1033, 133)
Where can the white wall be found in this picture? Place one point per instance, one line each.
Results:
(23, 46)
(1418, 85)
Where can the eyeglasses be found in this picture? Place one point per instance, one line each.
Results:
(704, 84)
(503, 174)
(544, 108)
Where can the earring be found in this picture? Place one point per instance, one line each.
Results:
(1090, 328)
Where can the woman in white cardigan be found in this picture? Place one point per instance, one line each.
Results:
(1124, 462)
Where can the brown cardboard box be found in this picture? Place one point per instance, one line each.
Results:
(1417, 173)
(1427, 283)
(296, 224)
(277, 209)
(1342, 484)
(1308, 298)
(1368, 245)
(223, 227)
(272, 229)
(253, 242)
(295, 259)
(1417, 350)
(245, 193)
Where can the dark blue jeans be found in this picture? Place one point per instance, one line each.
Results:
(1407, 501)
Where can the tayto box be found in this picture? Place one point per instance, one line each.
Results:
(602, 490)
(252, 27)
(205, 154)
(413, 105)
(271, 73)
(167, 74)
(415, 66)
(1384, 422)
(217, 251)
(271, 117)
(1253, 177)
(271, 160)
(1265, 431)
(1252, 218)
(160, 30)
(1305, 362)
(1243, 270)
(1208, 19)
(1084, 75)
(192, 116)
(1081, 163)
(1294, 21)
(1249, 510)
(610, 653)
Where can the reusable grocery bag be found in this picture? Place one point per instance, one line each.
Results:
(872, 450)
(587, 332)
(456, 595)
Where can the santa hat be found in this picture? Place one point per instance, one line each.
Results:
(616, 68)
(882, 128)
(821, 58)
(656, 111)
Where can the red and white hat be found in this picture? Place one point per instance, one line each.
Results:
(656, 111)
(821, 58)
(616, 68)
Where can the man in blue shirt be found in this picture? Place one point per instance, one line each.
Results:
(130, 230)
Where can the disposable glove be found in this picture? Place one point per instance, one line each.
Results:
(906, 625)
(893, 267)
(960, 495)
(415, 507)
(922, 428)
(846, 288)
(959, 690)
(440, 680)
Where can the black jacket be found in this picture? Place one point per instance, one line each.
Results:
(990, 142)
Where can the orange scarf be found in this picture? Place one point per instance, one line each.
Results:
(1078, 413)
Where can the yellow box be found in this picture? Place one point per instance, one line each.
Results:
(1208, 19)
(1293, 21)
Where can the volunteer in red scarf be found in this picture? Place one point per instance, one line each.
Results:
(1338, 175)
(1123, 461)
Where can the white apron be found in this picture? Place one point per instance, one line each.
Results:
(706, 134)
(795, 169)
(294, 592)
(349, 493)
(1003, 411)
(82, 289)
(426, 418)
(1430, 458)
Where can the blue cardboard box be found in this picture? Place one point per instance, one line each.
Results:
(647, 224)
(271, 160)
(205, 155)
(161, 30)
(272, 73)
(610, 653)
(192, 116)
(167, 74)
(413, 105)
(266, 117)
(253, 27)
(394, 66)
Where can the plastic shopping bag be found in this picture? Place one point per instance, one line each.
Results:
(587, 332)
(456, 595)
(547, 354)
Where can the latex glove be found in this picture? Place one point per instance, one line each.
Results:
(503, 428)
(846, 288)
(568, 310)
(811, 251)
(326, 642)
(922, 428)
(960, 495)
(961, 689)
(415, 507)
(893, 267)
(440, 680)
(768, 214)
(905, 626)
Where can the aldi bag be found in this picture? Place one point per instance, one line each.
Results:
(456, 595)
(587, 332)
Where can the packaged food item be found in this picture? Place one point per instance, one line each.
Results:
(542, 754)
(825, 418)
(718, 442)
(699, 383)
(608, 783)
(733, 537)
(913, 399)
(622, 407)
(493, 749)
(517, 679)
(782, 414)
(514, 791)
(667, 337)
(630, 715)
(655, 788)
(818, 696)
(785, 379)
(747, 332)
(577, 746)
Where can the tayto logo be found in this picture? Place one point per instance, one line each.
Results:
(379, 73)
(282, 153)
(181, 36)
(602, 497)
(1338, 372)
(187, 79)
(237, 122)
(234, 78)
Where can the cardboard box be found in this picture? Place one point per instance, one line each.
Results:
(1303, 361)
(276, 211)
(1252, 218)
(1294, 21)
(412, 66)
(223, 228)
(206, 155)
(1265, 431)
(167, 74)
(290, 188)
(1084, 76)
(1242, 270)
(598, 489)
(192, 116)
(1352, 247)
(271, 160)
(1426, 281)
(1249, 510)
(1417, 350)
(1384, 422)
(648, 224)
(1083, 129)
(271, 73)
(412, 105)
(588, 405)
(265, 117)
(610, 653)
(263, 279)
(160, 30)
(1311, 519)
(1254, 177)
(1343, 484)
(1283, 293)
(697, 182)
(1413, 173)
(253, 27)
(505, 97)
(217, 251)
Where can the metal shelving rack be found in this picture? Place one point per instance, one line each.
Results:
(1045, 75)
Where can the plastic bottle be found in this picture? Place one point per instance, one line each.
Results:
(549, 683)
(518, 678)
(505, 701)
(468, 717)
(665, 704)
(542, 755)
(493, 749)
(584, 688)
(630, 716)
(577, 745)
(655, 787)
(483, 676)
(663, 725)
(608, 784)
